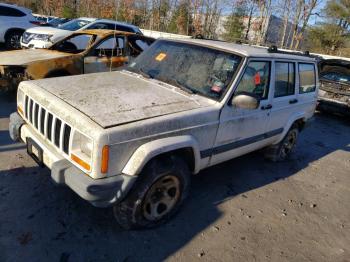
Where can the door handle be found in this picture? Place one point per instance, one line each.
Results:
(293, 101)
(269, 106)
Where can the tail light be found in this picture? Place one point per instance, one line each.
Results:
(35, 22)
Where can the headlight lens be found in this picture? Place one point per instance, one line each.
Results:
(82, 147)
(42, 37)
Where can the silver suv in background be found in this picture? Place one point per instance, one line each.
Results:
(14, 20)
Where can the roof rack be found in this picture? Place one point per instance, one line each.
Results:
(274, 49)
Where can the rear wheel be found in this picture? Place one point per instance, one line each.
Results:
(282, 150)
(13, 40)
(157, 195)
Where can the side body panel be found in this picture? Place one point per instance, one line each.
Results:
(73, 65)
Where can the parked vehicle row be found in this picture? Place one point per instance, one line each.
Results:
(131, 139)
(45, 37)
(20, 29)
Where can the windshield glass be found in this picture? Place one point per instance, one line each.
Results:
(193, 68)
(74, 25)
(75, 44)
(333, 76)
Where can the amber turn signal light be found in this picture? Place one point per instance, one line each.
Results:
(105, 159)
(80, 162)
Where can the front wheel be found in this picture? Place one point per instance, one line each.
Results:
(157, 195)
(13, 40)
(282, 150)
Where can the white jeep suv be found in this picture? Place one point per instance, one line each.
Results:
(45, 37)
(131, 139)
(14, 20)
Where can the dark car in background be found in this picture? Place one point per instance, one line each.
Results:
(334, 92)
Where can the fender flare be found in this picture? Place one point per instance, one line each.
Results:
(291, 121)
(149, 150)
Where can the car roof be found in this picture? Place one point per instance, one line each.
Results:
(103, 32)
(23, 9)
(246, 50)
(117, 23)
(90, 19)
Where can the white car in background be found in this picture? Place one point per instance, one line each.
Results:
(14, 20)
(45, 37)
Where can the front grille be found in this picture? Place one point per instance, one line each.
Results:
(48, 125)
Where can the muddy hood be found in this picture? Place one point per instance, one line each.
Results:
(25, 57)
(116, 98)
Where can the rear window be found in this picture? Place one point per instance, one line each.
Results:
(8, 11)
(307, 78)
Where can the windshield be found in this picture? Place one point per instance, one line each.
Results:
(75, 44)
(74, 25)
(338, 77)
(193, 68)
(58, 21)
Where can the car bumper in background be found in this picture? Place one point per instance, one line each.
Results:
(99, 192)
(36, 44)
(333, 106)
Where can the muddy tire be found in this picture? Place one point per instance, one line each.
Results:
(13, 40)
(282, 150)
(157, 195)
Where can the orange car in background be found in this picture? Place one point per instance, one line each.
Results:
(88, 51)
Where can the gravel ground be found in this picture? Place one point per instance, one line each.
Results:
(244, 210)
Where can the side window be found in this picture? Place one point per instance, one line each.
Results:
(138, 44)
(74, 44)
(110, 47)
(284, 79)
(256, 79)
(307, 78)
(7, 11)
(123, 28)
(98, 26)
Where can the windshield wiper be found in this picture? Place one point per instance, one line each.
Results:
(175, 82)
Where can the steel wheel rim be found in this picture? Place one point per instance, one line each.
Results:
(288, 144)
(15, 41)
(161, 198)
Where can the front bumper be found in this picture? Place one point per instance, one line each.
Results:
(333, 106)
(36, 44)
(99, 192)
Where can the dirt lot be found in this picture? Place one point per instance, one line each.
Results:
(244, 210)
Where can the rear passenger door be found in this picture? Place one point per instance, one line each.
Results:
(285, 101)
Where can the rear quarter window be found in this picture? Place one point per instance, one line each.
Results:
(307, 78)
(8, 11)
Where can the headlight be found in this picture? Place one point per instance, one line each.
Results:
(42, 37)
(81, 151)
(20, 101)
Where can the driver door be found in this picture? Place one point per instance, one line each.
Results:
(107, 56)
(244, 130)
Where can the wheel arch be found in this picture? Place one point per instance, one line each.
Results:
(57, 73)
(10, 30)
(182, 146)
(298, 119)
